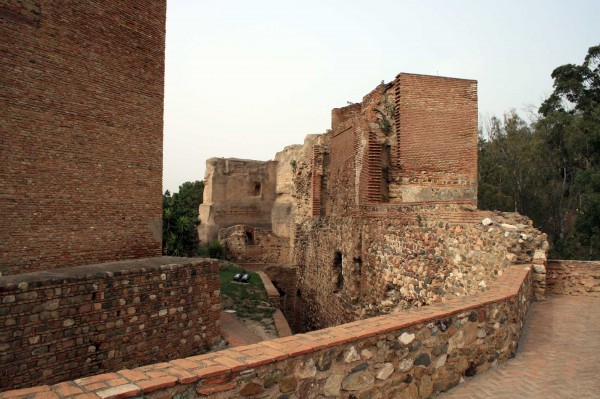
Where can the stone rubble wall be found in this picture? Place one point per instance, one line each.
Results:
(571, 277)
(69, 323)
(319, 301)
(246, 244)
(431, 258)
(408, 258)
(411, 354)
(399, 213)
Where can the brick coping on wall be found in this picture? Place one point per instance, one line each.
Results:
(96, 270)
(213, 368)
(270, 289)
(281, 324)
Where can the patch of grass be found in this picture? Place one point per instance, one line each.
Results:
(249, 300)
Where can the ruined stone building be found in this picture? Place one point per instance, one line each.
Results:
(376, 214)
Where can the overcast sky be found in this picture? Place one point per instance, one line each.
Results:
(246, 78)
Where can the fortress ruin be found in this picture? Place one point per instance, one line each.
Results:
(396, 284)
(376, 215)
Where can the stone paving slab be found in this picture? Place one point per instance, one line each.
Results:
(235, 332)
(559, 356)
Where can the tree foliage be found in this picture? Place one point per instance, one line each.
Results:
(550, 170)
(180, 219)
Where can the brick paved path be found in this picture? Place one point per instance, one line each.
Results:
(559, 356)
(235, 332)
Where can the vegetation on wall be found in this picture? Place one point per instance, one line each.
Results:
(549, 169)
(213, 249)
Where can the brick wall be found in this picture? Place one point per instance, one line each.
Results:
(413, 140)
(316, 181)
(572, 277)
(68, 323)
(437, 138)
(81, 144)
(343, 149)
(405, 355)
(355, 171)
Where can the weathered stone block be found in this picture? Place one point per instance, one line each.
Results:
(358, 380)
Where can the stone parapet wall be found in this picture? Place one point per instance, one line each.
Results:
(272, 293)
(67, 323)
(408, 354)
(571, 277)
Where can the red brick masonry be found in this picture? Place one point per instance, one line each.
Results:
(476, 332)
(82, 126)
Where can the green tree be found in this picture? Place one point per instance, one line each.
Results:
(570, 128)
(180, 219)
(509, 177)
(550, 170)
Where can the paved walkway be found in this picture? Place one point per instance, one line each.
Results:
(235, 332)
(559, 356)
